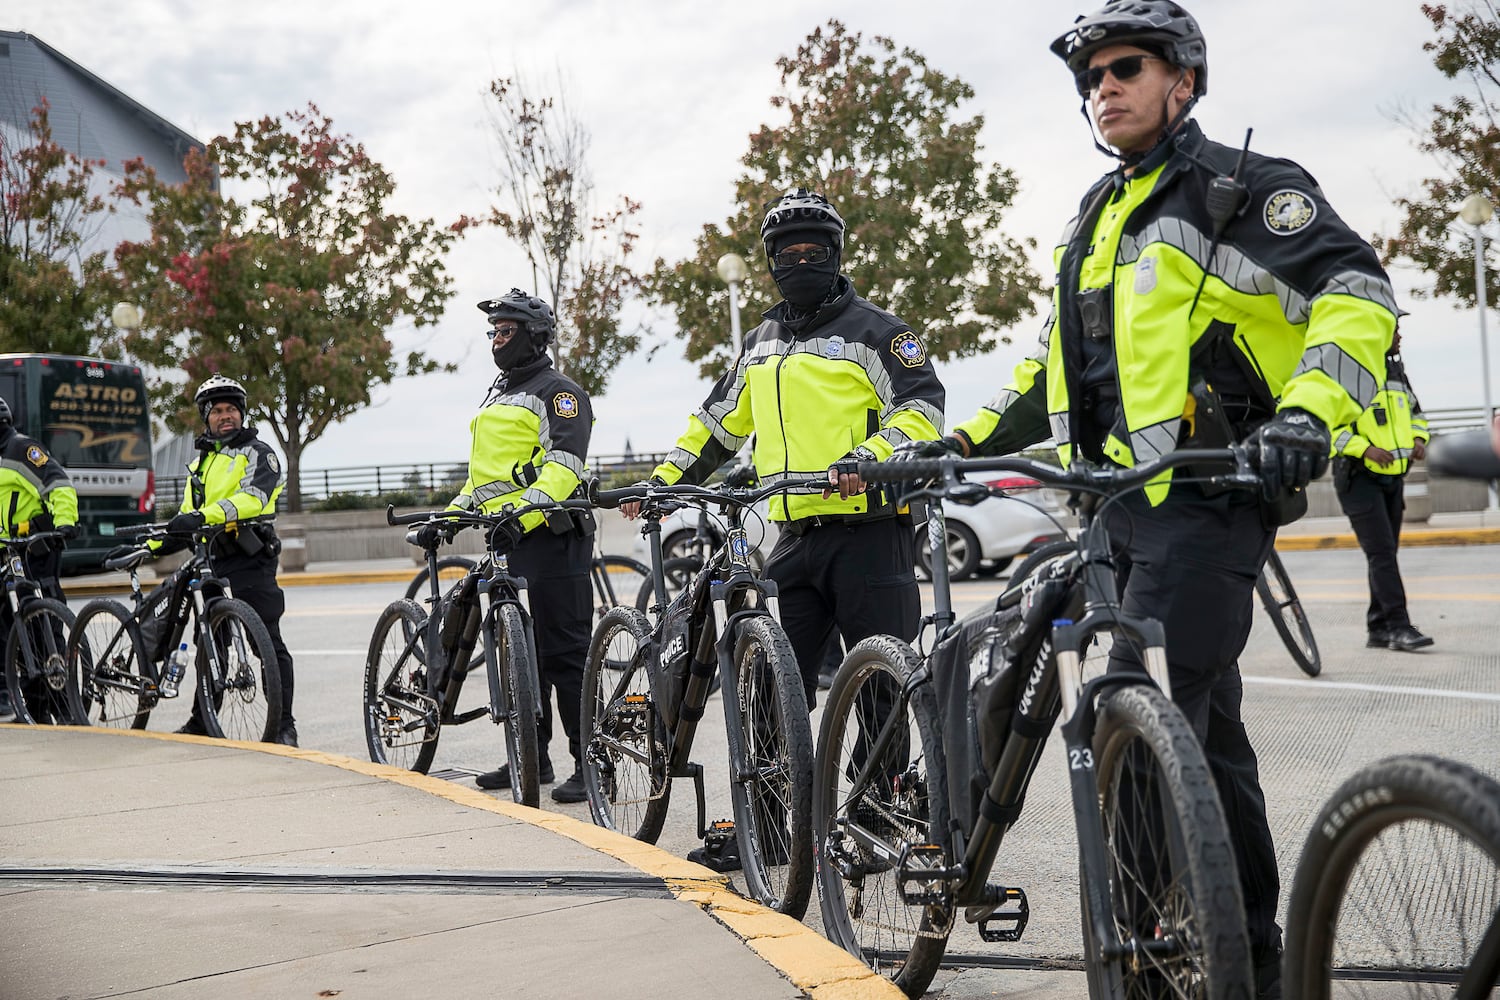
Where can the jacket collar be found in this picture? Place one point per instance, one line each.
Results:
(205, 442)
(799, 321)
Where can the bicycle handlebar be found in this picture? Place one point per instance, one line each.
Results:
(159, 531)
(469, 518)
(1080, 476)
(739, 496)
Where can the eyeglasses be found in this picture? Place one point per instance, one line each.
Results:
(504, 331)
(791, 258)
(1122, 69)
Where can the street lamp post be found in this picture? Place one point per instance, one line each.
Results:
(1476, 211)
(733, 270)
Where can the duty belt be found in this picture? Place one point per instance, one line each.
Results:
(803, 525)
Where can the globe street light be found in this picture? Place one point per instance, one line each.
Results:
(1476, 211)
(733, 270)
(127, 315)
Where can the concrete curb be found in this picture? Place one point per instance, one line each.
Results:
(1409, 539)
(811, 962)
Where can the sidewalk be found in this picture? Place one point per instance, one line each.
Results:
(184, 867)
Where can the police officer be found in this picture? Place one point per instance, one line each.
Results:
(1195, 280)
(1369, 471)
(827, 376)
(529, 443)
(36, 494)
(237, 476)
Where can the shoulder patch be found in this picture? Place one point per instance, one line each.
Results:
(36, 456)
(274, 463)
(565, 404)
(908, 349)
(1288, 211)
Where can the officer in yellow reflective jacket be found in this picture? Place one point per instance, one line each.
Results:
(36, 495)
(529, 444)
(1373, 455)
(1195, 273)
(236, 477)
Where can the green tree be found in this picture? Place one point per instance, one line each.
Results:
(580, 256)
(876, 130)
(54, 293)
(1463, 137)
(292, 291)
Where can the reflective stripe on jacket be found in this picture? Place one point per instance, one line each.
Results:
(528, 444)
(1295, 309)
(853, 377)
(1393, 422)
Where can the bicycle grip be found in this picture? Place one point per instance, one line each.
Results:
(913, 471)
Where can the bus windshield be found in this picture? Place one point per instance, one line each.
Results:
(93, 415)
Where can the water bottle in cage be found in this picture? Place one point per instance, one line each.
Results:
(173, 671)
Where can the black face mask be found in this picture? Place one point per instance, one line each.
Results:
(806, 285)
(514, 353)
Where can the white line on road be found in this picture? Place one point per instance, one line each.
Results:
(1375, 688)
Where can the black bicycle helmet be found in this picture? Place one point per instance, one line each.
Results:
(800, 209)
(1154, 24)
(6, 420)
(533, 315)
(218, 389)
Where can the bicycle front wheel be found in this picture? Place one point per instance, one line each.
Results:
(1281, 602)
(902, 804)
(1397, 893)
(772, 797)
(624, 739)
(449, 568)
(1173, 896)
(239, 681)
(401, 719)
(107, 657)
(43, 691)
(517, 677)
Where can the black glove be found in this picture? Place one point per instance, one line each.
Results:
(740, 476)
(69, 531)
(186, 523)
(928, 449)
(435, 533)
(1290, 450)
(39, 522)
(505, 536)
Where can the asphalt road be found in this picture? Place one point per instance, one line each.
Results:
(1310, 733)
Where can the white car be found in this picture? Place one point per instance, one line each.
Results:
(983, 538)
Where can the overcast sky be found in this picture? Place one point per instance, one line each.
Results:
(671, 89)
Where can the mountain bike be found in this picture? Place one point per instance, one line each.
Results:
(237, 679)
(646, 685)
(918, 780)
(418, 662)
(1280, 600)
(42, 689)
(1397, 892)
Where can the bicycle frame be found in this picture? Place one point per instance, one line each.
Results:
(21, 590)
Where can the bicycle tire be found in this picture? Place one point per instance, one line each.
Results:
(678, 573)
(401, 719)
(624, 739)
(417, 589)
(903, 943)
(1422, 835)
(1185, 886)
(244, 701)
(517, 669)
(1041, 554)
(107, 657)
(773, 799)
(45, 693)
(616, 580)
(1281, 602)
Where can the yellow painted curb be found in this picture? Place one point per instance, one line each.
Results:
(810, 961)
(1409, 539)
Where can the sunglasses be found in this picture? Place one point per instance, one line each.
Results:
(1122, 69)
(505, 331)
(791, 258)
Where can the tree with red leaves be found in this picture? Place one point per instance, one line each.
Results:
(290, 282)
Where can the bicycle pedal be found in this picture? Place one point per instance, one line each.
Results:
(1011, 911)
(719, 833)
(923, 878)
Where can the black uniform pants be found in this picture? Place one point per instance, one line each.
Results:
(1373, 504)
(854, 577)
(556, 569)
(1191, 563)
(252, 579)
